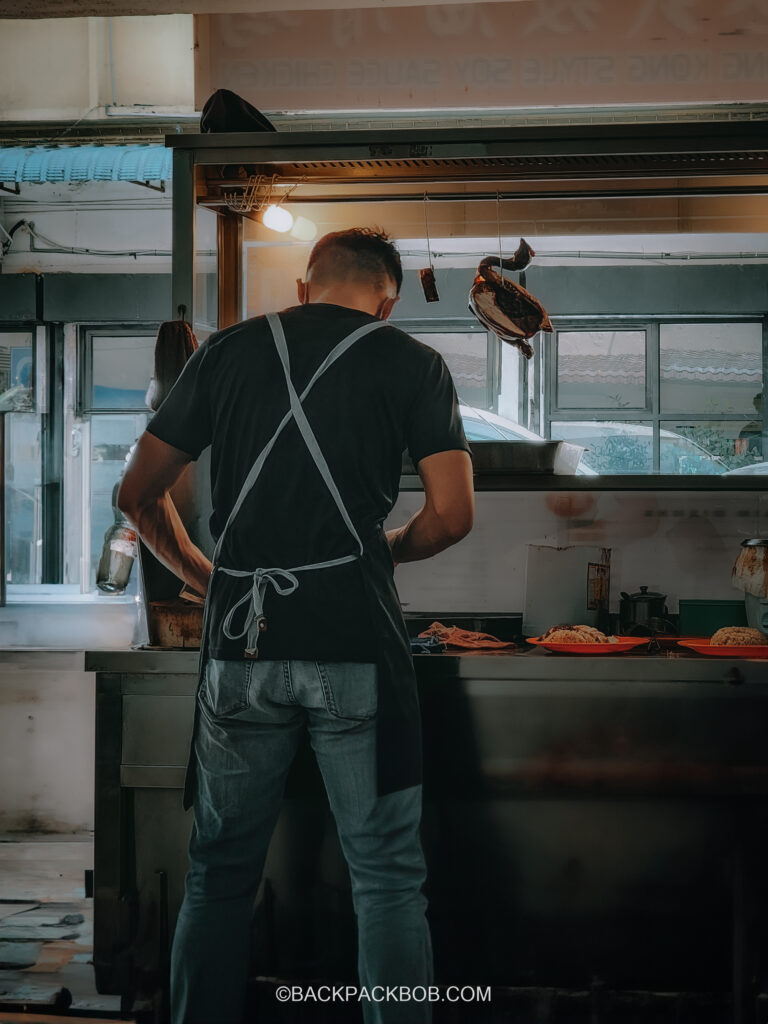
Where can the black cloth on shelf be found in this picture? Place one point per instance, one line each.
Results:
(225, 111)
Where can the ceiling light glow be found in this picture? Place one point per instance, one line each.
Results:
(277, 218)
(304, 229)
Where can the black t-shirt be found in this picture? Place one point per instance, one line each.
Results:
(388, 392)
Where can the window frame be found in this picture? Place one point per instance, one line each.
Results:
(78, 417)
(41, 344)
(46, 398)
(86, 335)
(462, 325)
(653, 414)
(651, 367)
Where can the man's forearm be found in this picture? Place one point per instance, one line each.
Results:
(160, 527)
(424, 535)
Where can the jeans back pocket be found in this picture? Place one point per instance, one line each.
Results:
(225, 686)
(350, 688)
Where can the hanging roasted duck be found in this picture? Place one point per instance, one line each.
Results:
(506, 308)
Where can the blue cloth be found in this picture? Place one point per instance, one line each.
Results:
(251, 718)
(427, 645)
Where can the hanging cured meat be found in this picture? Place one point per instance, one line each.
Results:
(506, 308)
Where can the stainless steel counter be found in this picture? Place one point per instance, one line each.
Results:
(583, 815)
(37, 659)
(517, 664)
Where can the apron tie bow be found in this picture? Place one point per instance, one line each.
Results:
(255, 622)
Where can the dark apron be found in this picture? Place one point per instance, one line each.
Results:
(398, 731)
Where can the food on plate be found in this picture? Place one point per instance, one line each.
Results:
(506, 308)
(453, 636)
(738, 636)
(577, 635)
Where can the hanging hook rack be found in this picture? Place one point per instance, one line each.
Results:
(259, 191)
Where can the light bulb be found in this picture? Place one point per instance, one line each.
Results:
(304, 229)
(277, 218)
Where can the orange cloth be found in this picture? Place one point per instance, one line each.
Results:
(455, 637)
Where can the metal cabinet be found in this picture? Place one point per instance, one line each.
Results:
(582, 818)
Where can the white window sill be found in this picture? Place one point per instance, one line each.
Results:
(62, 593)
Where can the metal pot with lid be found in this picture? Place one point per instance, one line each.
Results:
(639, 608)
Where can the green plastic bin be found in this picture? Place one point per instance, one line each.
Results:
(703, 618)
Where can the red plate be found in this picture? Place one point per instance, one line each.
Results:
(622, 644)
(703, 646)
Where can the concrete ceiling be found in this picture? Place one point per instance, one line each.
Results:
(115, 8)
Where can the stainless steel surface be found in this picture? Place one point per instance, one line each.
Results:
(33, 659)
(3, 523)
(584, 190)
(145, 663)
(580, 816)
(558, 457)
(152, 776)
(533, 482)
(516, 667)
(580, 158)
(148, 738)
(489, 154)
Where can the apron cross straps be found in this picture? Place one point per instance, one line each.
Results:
(284, 581)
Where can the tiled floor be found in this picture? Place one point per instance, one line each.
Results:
(46, 927)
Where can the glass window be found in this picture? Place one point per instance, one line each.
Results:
(16, 371)
(121, 369)
(479, 430)
(205, 319)
(711, 368)
(466, 356)
(112, 438)
(709, 446)
(24, 499)
(612, 447)
(601, 370)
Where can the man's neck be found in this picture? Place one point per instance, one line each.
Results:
(353, 298)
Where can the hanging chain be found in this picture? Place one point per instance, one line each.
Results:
(426, 228)
(498, 232)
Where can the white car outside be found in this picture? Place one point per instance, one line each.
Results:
(612, 447)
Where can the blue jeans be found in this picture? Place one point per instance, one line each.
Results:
(251, 718)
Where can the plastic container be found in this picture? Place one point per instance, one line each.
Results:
(757, 612)
(699, 617)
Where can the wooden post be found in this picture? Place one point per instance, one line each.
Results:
(229, 244)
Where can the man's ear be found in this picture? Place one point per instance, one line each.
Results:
(302, 288)
(386, 306)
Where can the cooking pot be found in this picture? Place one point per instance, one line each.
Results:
(639, 608)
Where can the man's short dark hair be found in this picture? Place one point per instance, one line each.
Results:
(356, 253)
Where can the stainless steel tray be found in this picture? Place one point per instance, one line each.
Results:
(528, 457)
(525, 456)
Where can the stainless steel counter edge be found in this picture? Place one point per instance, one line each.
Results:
(580, 669)
(143, 662)
(30, 659)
